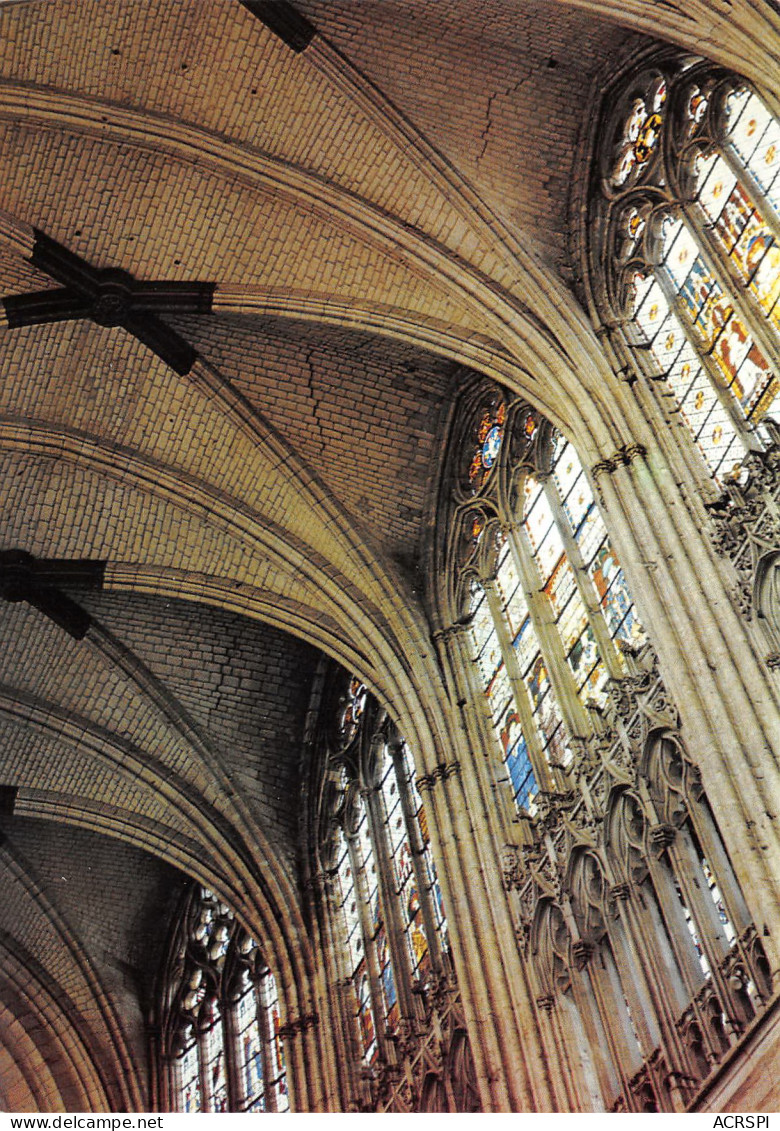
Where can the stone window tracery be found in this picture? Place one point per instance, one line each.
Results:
(684, 229)
(538, 579)
(222, 1020)
(379, 852)
(386, 907)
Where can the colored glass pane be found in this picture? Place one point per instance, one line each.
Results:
(614, 596)
(490, 659)
(567, 606)
(418, 815)
(403, 867)
(272, 1021)
(545, 709)
(215, 1066)
(386, 980)
(189, 1080)
(681, 259)
(716, 329)
(577, 502)
(703, 332)
(754, 242)
(590, 535)
(742, 365)
(550, 554)
(766, 285)
(485, 444)
(717, 899)
(526, 645)
(365, 851)
(730, 225)
(755, 137)
(650, 305)
(372, 921)
(499, 693)
(748, 241)
(690, 924)
(595, 549)
(352, 710)
(518, 764)
(566, 466)
(715, 183)
(250, 1052)
(510, 591)
(366, 1020)
(641, 130)
(482, 628)
(538, 519)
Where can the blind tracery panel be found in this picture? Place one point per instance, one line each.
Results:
(222, 1019)
(688, 219)
(687, 926)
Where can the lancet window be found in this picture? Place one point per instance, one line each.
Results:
(386, 907)
(387, 890)
(533, 570)
(684, 231)
(222, 1021)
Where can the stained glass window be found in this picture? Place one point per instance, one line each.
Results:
(692, 258)
(250, 1047)
(484, 443)
(189, 1079)
(358, 856)
(271, 1022)
(548, 564)
(354, 935)
(230, 1056)
(419, 821)
(386, 894)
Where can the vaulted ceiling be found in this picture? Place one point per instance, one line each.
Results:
(372, 212)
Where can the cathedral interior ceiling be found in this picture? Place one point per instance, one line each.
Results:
(368, 235)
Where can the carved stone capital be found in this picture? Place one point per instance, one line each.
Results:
(661, 836)
(425, 783)
(512, 870)
(622, 457)
(297, 1025)
(603, 467)
(581, 953)
(620, 892)
(442, 635)
(442, 772)
(316, 881)
(633, 451)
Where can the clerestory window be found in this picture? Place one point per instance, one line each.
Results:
(535, 573)
(385, 887)
(683, 231)
(222, 1021)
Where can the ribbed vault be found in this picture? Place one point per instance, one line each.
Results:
(374, 218)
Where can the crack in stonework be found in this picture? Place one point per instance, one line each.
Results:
(513, 89)
(316, 401)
